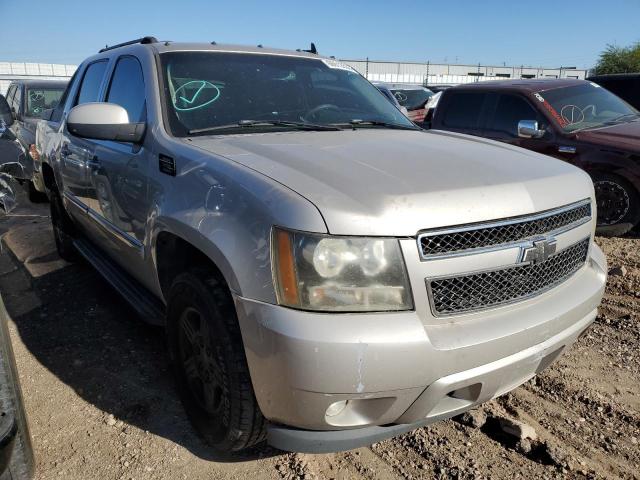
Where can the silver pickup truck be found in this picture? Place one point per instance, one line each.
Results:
(329, 275)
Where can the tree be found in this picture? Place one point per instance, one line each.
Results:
(616, 59)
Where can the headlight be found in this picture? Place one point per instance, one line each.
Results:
(348, 274)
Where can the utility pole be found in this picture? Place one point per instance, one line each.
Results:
(366, 69)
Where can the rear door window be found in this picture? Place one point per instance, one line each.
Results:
(127, 88)
(91, 82)
(510, 109)
(463, 111)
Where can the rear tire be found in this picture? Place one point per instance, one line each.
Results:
(34, 195)
(63, 229)
(209, 363)
(618, 205)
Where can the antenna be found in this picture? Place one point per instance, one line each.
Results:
(312, 49)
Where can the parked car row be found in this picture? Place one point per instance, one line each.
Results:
(599, 148)
(28, 100)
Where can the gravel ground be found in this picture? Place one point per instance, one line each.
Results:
(101, 401)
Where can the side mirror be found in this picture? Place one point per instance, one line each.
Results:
(104, 121)
(6, 117)
(529, 129)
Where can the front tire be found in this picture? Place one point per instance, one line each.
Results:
(618, 205)
(209, 363)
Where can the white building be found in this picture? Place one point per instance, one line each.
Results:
(440, 73)
(39, 71)
(391, 72)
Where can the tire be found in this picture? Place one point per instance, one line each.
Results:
(209, 363)
(618, 205)
(34, 195)
(63, 229)
(20, 465)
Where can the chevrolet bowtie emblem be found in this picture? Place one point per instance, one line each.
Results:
(538, 250)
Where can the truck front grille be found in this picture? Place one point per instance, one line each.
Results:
(460, 294)
(459, 240)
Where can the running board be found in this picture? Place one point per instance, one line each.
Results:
(150, 309)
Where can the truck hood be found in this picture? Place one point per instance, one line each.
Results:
(398, 182)
(623, 136)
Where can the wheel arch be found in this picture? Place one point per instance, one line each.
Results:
(613, 163)
(174, 252)
(48, 176)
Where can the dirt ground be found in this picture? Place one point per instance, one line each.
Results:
(102, 405)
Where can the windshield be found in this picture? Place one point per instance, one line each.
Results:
(204, 90)
(41, 99)
(412, 99)
(585, 106)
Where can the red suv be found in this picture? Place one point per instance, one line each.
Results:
(573, 120)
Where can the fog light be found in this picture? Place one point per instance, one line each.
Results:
(336, 408)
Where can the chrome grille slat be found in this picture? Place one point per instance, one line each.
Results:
(461, 240)
(476, 291)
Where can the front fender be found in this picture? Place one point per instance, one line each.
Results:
(624, 165)
(227, 212)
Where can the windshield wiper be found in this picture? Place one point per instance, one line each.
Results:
(608, 123)
(263, 123)
(620, 118)
(355, 123)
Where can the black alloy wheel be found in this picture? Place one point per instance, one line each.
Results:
(202, 363)
(618, 204)
(612, 200)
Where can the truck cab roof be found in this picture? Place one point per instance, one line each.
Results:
(521, 85)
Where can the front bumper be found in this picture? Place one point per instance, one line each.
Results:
(398, 370)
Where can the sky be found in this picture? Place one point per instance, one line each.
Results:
(568, 33)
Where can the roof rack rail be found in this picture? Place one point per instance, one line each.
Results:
(143, 40)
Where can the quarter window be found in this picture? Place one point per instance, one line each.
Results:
(509, 111)
(57, 112)
(463, 111)
(90, 88)
(16, 99)
(10, 94)
(127, 88)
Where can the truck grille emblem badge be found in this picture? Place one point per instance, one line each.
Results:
(538, 250)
